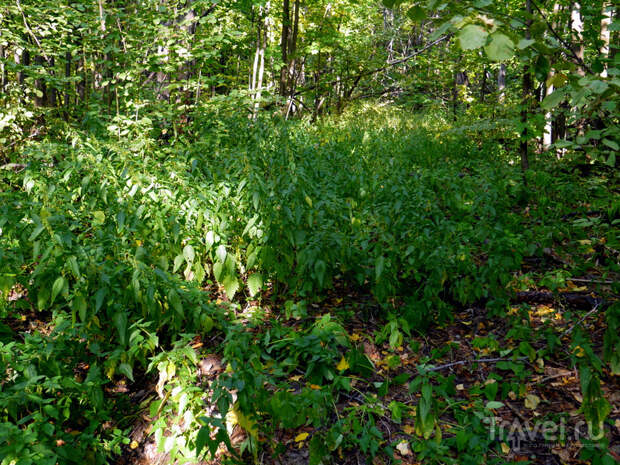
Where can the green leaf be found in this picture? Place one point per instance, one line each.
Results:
(98, 217)
(38, 230)
(611, 144)
(255, 283)
(320, 268)
(188, 253)
(379, 264)
(120, 321)
(73, 265)
(500, 48)
(217, 270)
(416, 13)
(178, 261)
(494, 404)
(472, 37)
(210, 239)
(57, 287)
(126, 370)
(175, 301)
(221, 252)
(525, 43)
(231, 285)
(552, 100)
(203, 437)
(597, 86)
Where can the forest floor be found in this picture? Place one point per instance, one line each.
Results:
(538, 421)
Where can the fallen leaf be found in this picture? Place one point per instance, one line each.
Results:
(315, 386)
(460, 387)
(403, 447)
(343, 364)
(409, 429)
(505, 448)
(301, 437)
(532, 401)
(133, 444)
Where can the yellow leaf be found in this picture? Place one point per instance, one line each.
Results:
(236, 417)
(355, 337)
(505, 448)
(315, 386)
(578, 351)
(532, 401)
(133, 445)
(408, 429)
(342, 365)
(301, 437)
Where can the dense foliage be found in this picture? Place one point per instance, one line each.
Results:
(291, 219)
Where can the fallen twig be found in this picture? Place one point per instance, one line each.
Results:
(569, 330)
(593, 281)
(471, 362)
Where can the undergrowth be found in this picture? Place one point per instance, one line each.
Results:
(114, 251)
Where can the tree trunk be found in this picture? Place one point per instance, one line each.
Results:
(548, 132)
(68, 61)
(605, 36)
(577, 28)
(3, 70)
(501, 82)
(483, 84)
(286, 27)
(527, 89)
(259, 57)
(40, 96)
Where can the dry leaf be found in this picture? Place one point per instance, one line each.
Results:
(301, 437)
(133, 445)
(532, 401)
(403, 447)
(409, 429)
(505, 448)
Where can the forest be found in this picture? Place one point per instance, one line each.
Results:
(311, 232)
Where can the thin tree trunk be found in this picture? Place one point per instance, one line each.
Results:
(527, 89)
(68, 61)
(605, 36)
(548, 132)
(483, 84)
(577, 28)
(284, 43)
(259, 58)
(501, 82)
(3, 70)
(39, 83)
(549, 135)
